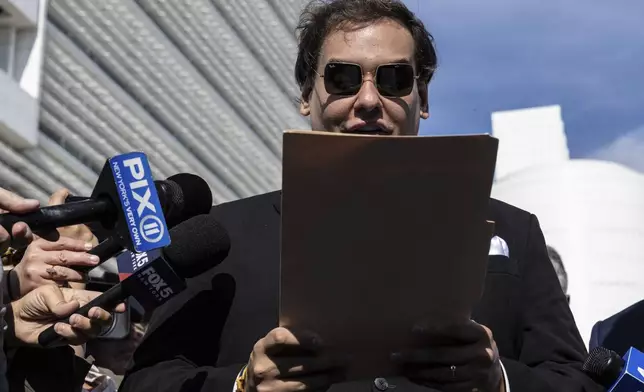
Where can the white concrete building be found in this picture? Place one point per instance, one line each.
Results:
(201, 86)
(591, 212)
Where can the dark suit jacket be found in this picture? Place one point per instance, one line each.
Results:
(200, 340)
(621, 331)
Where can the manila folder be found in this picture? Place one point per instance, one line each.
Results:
(381, 232)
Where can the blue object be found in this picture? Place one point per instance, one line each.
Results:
(140, 201)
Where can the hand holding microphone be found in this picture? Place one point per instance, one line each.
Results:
(52, 262)
(198, 244)
(80, 231)
(124, 201)
(17, 234)
(41, 308)
(182, 197)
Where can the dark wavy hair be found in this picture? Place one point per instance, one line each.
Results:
(321, 17)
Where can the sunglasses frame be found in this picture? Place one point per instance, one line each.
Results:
(375, 78)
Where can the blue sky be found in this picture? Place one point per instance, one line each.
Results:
(585, 55)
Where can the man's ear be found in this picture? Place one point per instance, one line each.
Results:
(424, 101)
(305, 104)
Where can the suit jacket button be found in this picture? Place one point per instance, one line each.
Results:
(381, 384)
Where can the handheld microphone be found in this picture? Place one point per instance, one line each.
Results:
(123, 201)
(625, 374)
(199, 244)
(182, 196)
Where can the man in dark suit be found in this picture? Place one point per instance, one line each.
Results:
(620, 331)
(363, 67)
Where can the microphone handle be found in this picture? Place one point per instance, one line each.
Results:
(107, 300)
(104, 250)
(48, 218)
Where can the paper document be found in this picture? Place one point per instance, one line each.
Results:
(380, 232)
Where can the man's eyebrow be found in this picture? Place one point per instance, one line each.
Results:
(401, 61)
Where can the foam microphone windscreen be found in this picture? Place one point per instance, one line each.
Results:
(188, 195)
(198, 244)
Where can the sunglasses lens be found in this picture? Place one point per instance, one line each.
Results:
(342, 79)
(395, 80)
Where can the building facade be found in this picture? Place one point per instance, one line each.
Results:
(200, 86)
(590, 211)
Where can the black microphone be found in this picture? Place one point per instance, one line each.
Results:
(198, 244)
(123, 201)
(615, 373)
(188, 195)
(182, 196)
(603, 366)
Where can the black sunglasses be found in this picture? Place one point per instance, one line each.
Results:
(391, 80)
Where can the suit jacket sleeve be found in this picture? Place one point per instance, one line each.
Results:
(48, 370)
(552, 351)
(180, 349)
(201, 339)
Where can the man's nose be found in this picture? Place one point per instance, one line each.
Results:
(368, 99)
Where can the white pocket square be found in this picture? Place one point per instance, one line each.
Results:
(498, 247)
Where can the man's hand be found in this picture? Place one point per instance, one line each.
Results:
(46, 262)
(20, 235)
(283, 361)
(79, 232)
(41, 308)
(453, 358)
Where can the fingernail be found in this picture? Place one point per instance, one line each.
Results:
(32, 201)
(88, 246)
(94, 259)
(73, 319)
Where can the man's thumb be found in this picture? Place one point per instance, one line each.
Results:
(58, 197)
(64, 309)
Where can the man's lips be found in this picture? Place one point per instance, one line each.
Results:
(369, 129)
